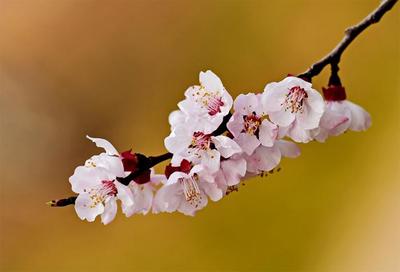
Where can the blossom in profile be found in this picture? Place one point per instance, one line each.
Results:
(340, 115)
(294, 104)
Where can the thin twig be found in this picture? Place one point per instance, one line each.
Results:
(351, 33)
(333, 58)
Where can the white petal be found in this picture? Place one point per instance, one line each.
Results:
(110, 211)
(175, 177)
(299, 134)
(288, 149)
(236, 124)
(273, 97)
(268, 133)
(102, 143)
(176, 117)
(168, 198)
(247, 142)
(212, 190)
(210, 160)
(85, 178)
(360, 118)
(226, 146)
(210, 81)
(282, 118)
(84, 208)
(177, 143)
(124, 194)
(308, 119)
(246, 104)
(315, 101)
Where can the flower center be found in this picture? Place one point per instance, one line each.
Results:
(201, 141)
(191, 191)
(212, 101)
(294, 100)
(102, 192)
(251, 123)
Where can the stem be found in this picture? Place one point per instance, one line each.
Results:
(333, 58)
(351, 33)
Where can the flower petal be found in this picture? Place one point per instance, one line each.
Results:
(84, 208)
(247, 142)
(360, 118)
(102, 143)
(268, 133)
(210, 81)
(226, 146)
(110, 211)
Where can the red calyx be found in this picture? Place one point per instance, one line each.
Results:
(129, 160)
(184, 167)
(334, 93)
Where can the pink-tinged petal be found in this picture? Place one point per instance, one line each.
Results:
(233, 170)
(188, 209)
(247, 142)
(196, 169)
(176, 117)
(296, 81)
(273, 97)
(168, 198)
(315, 101)
(124, 194)
(308, 119)
(226, 146)
(288, 149)
(175, 177)
(85, 209)
(210, 81)
(282, 118)
(102, 143)
(263, 159)
(228, 102)
(319, 134)
(188, 107)
(110, 211)
(212, 190)
(246, 104)
(177, 143)
(210, 160)
(85, 178)
(360, 118)
(299, 134)
(268, 133)
(236, 124)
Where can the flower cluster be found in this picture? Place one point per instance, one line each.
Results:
(214, 149)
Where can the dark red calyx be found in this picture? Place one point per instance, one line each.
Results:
(184, 167)
(143, 178)
(129, 160)
(334, 93)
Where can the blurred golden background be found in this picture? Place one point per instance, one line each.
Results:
(115, 69)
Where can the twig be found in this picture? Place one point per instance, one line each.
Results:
(333, 58)
(351, 33)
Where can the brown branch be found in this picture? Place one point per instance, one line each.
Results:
(351, 33)
(333, 58)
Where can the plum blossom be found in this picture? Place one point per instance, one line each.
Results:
(249, 124)
(200, 147)
(340, 115)
(209, 101)
(294, 104)
(96, 184)
(185, 190)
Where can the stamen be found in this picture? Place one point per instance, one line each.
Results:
(212, 101)
(294, 100)
(200, 141)
(101, 193)
(192, 191)
(251, 123)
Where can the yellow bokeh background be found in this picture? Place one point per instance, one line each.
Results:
(115, 69)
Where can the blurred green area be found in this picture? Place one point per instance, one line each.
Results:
(115, 69)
